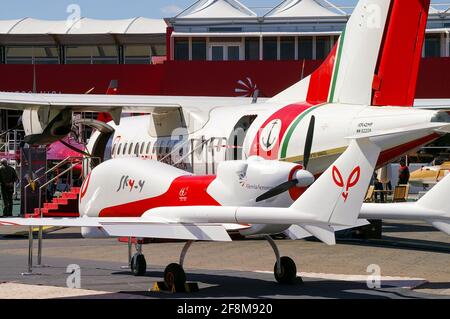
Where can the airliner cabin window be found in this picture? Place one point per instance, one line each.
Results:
(142, 148)
(149, 144)
(130, 149)
(119, 148)
(125, 148)
(136, 149)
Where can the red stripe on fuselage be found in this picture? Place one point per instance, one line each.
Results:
(396, 152)
(184, 191)
(286, 115)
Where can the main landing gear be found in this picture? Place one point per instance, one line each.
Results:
(284, 269)
(174, 275)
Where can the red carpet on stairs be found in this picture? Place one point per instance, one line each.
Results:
(64, 206)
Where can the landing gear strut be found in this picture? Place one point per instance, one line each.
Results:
(284, 270)
(138, 263)
(174, 275)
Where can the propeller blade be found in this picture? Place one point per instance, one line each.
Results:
(277, 190)
(308, 142)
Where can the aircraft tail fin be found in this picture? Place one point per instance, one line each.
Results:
(337, 196)
(113, 87)
(436, 200)
(375, 61)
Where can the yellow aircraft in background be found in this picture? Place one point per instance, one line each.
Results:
(429, 175)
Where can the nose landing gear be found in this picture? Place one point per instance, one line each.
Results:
(138, 264)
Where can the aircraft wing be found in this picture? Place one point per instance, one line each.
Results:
(432, 104)
(108, 103)
(134, 227)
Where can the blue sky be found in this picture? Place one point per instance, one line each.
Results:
(116, 9)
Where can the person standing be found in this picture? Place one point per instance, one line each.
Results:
(8, 178)
(378, 186)
(403, 173)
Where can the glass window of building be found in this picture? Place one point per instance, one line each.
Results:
(159, 49)
(305, 48)
(252, 49)
(105, 54)
(181, 50)
(270, 49)
(138, 54)
(199, 49)
(322, 47)
(30, 55)
(233, 53)
(217, 53)
(432, 45)
(287, 48)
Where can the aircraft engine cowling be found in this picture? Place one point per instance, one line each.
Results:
(45, 126)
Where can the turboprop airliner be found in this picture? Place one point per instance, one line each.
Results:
(366, 84)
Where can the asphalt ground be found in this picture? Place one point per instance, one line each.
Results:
(413, 260)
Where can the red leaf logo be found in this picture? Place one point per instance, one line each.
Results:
(352, 180)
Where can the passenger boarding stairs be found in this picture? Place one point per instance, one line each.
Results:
(64, 206)
(67, 203)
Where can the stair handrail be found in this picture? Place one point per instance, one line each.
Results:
(79, 159)
(71, 167)
(193, 150)
(64, 161)
(175, 148)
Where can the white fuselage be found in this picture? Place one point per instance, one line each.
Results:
(206, 138)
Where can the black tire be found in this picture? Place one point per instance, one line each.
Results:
(175, 277)
(288, 273)
(138, 265)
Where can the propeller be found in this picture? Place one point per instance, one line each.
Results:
(284, 187)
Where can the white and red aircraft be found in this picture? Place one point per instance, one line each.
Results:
(363, 90)
(171, 203)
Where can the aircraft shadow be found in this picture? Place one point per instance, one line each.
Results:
(229, 286)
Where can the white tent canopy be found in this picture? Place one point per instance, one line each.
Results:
(207, 9)
(304, 8)
(29, 26)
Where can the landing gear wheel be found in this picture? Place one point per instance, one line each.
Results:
(175, 277)
(138, 265)
(288, 273)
